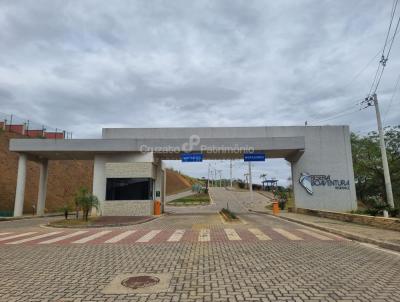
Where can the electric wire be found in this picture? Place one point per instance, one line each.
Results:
(385, 57)
(392, 98)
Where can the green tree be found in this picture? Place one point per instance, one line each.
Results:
(367, 162)
(86, 201)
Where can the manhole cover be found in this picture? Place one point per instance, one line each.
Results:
(140, 281)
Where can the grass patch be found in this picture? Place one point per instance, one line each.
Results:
(193, 200)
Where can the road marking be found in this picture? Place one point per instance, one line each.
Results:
(260, 235)
(57, 239)
(17, 236)
(232, 235)
(120, 237)
(314, 234)
(34, 238)
(204, 235)
(176, 236)
(150, 235)
(92, 237)
(2, 234)
(286, 234)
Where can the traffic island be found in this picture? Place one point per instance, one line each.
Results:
(101, 221)
(228, 215)
(199, 199)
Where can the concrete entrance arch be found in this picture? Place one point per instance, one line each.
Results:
(320, 158)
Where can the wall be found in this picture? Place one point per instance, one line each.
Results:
(327, 152)
(132, 164)
(64, 179)
(131, 170)
(128, 208)
(380, 222)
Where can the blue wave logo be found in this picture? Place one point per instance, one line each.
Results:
(305, 182)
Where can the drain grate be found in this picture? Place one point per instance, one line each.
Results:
(140, 281)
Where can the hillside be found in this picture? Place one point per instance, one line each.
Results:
(177, 182)
(64, 179)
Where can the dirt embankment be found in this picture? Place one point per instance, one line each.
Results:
(64, 179)
(177, 182)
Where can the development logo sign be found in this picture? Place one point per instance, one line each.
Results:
(308, 181)
(305, 181)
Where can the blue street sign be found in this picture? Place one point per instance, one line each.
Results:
(254, 157)
(191, 157)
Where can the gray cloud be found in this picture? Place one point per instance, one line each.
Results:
(83, 65)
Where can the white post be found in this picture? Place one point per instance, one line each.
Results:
(230, 172)
(208, 176)
(250, 183)
(163, 187)
(41, 202)
(20, 191)
(386, 174)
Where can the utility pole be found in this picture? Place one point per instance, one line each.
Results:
(220, 178)
(214, 177)
(250, 183)
(230, 172)
(386, 174)
(250, 179)
(208, 176)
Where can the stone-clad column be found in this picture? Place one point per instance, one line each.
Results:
(20, 191)
(99, 182)
(41, 202)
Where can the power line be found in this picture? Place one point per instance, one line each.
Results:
(385, 57)
(340, 115)
(343, 112)
(362, 70)
(391, 99)
(390, 25)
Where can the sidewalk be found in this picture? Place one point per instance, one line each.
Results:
(380, 237)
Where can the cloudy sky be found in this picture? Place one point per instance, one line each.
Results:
(84, 65)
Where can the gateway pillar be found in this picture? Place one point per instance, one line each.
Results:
(41, 202)
(20, 190)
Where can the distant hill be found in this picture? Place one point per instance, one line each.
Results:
(177, 182)
(64, 179)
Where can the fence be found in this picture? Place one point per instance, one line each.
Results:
(15, 124)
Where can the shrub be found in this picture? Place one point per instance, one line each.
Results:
(228, 213)
(86, 201)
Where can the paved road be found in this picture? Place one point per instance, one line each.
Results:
(236, 201)
(263, 259)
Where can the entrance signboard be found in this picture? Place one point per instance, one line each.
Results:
(254, 157)
(191, 157)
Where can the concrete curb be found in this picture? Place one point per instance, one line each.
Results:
(351, 236)
(30, 217)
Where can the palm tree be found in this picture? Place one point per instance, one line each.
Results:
(86, 201)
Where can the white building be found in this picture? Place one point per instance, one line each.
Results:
(129, 175)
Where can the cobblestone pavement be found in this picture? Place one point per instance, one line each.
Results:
(222, 269)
